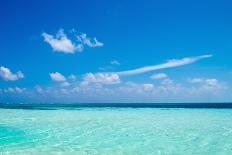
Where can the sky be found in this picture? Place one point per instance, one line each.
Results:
(115, 51)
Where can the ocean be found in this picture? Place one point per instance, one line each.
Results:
(143, 129)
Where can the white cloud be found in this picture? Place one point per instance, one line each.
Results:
(169, 64)
(72, 77)
(62, 80)
(159, 76)
(39, 89)
(57, 77)
(7, 75)
(211, 82)
(114, 62)
(134, 88)
(61, 43)
(65, 84)
(167, 82)
(169, 89)
(196, 80)
(148, 86)
(106, 88)
(14, 90)
(206, 84)
(103, 78)
(88, 41)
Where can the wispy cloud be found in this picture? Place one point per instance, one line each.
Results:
(169, 64)
(88, 41)
(114, 62)
(61, 43)
(7, 75)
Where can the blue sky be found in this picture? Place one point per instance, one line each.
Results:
(98, 51)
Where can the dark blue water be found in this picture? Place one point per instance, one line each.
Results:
(114, 105)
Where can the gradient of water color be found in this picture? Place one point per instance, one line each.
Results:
(116, 131)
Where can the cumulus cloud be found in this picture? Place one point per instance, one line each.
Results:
(62, 80)
(169, 64)
(211, 82)
(107, 87)
(207, 84)
(148, 86)
(72, 77)
(167, 82)
(159, 76)
(61, 43)
(169, 89)
(56, 76)
(7, 75)
(65, 84)
(132, 87)
(103, 78)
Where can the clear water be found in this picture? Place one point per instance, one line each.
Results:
(116, 131)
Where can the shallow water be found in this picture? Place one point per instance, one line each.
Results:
(116, 131)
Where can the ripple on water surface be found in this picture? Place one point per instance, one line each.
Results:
(116, 131)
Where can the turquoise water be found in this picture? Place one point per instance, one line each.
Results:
(116, 131)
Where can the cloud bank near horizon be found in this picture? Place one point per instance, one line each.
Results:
(99, 86)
